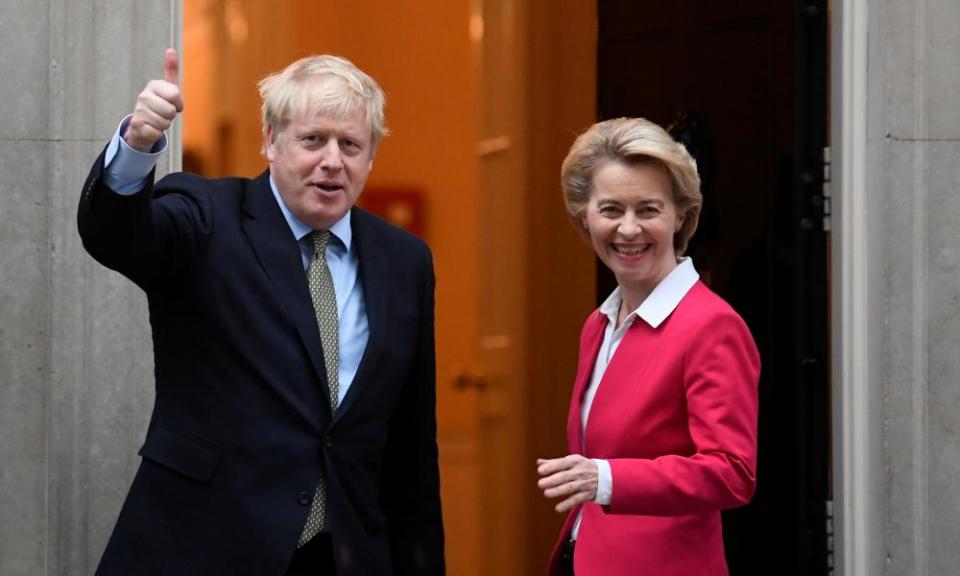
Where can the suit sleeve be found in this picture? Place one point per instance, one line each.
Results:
(411, 479)
(152, 236)
(721, 372)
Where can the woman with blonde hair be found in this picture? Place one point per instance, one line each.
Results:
(663, 419)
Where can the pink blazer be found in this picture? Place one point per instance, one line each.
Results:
(676, 416)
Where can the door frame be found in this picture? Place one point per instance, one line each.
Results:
(858, 458)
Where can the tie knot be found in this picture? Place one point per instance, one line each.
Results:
(320, 240)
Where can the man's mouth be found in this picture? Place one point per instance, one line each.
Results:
(329, 186)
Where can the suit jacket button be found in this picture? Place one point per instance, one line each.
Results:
(305, 498)
(328, 441)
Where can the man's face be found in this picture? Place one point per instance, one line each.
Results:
(320, 165)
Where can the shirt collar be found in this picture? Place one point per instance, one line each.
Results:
(341, 229)
(662, 301)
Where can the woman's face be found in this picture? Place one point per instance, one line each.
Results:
(631, 220)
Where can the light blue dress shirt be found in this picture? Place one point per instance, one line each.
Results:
(126, 172)
(341, 256)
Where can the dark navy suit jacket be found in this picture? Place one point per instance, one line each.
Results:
(242, 429)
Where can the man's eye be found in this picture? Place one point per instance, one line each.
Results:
(352, 147)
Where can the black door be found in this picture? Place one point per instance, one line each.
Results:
(743, 84)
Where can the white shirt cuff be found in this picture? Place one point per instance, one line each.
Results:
(604, 482)
(128, 168)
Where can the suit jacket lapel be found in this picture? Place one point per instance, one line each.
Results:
(279, 255)
(589, 348)
(374, 279)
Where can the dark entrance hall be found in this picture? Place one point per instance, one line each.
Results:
(743, 85)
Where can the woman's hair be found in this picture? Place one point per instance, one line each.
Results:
(325, 84)
(632, 141)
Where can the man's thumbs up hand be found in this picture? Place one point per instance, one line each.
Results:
(157, 106)
(171, 66)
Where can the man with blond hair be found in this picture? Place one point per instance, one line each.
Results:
(294, 429)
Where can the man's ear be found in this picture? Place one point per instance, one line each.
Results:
(270, 143)
(373, 156)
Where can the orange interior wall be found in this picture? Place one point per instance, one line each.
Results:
(419, 52)
(561, 49)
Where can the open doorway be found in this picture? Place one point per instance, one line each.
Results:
(424, 176)
(744, 86)
(478, 135)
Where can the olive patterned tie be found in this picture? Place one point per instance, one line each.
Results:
(325, 306)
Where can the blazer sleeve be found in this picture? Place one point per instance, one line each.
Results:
(153, 235)
(411, 476)
(721, 370)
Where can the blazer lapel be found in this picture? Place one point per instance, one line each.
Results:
(279, 255)
(374, 279)
(589, 348)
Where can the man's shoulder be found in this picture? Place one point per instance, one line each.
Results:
(190, 181)
(391, 235)
(230, 192)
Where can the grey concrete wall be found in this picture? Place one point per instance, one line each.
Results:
(913, 157)
(75, 350)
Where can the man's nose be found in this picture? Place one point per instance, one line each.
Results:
(332, 158)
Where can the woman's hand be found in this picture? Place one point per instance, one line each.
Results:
(573, 477)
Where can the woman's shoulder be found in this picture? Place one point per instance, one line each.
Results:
(703, 308)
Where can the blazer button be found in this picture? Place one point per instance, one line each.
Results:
(305, 498)
(328, 441)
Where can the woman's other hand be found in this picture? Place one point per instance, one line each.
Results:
(573, 478)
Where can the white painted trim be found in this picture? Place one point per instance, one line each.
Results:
(852, 446)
